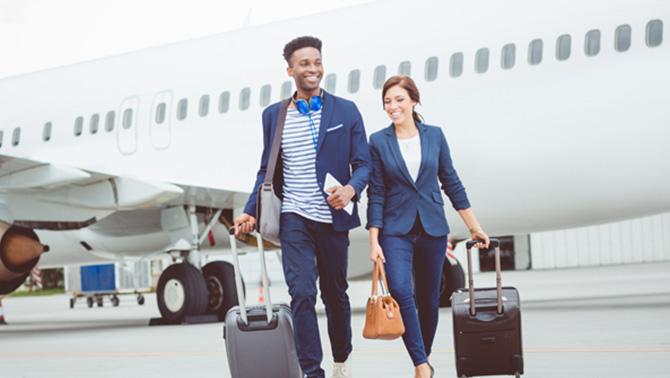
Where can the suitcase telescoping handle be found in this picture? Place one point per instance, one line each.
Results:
(495, 243)
(238, 277)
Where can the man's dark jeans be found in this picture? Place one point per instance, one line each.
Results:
(312, 250)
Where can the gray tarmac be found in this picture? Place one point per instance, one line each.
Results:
(589, 322)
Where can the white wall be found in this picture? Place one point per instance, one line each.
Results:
(632, 241)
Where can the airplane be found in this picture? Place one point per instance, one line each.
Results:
(556, 116)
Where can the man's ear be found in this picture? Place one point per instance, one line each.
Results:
(289, 71)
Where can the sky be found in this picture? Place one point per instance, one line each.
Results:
(41, 34)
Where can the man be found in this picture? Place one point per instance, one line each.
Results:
(317, 140)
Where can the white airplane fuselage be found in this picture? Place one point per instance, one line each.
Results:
(538, 147)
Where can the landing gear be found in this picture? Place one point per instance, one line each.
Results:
(453, 277)
(115, 300)
(220, 278)
(181, 291)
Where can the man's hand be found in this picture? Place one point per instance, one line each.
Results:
(244, 224)
(340, 196)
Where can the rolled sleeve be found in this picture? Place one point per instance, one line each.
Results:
(451, 183)
(360, 156)
(376, 190)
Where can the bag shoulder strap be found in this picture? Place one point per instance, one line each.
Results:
(276, 143)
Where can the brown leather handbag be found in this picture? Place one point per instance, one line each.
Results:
(382, 315)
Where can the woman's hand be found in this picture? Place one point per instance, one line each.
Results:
(479, 234)
(376, 252)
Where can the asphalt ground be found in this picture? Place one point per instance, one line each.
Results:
(589, 322)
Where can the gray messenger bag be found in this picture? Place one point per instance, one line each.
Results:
(268, 204)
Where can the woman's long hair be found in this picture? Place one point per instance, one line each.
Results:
(408, 84)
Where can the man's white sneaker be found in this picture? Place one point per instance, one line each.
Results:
(341, 370)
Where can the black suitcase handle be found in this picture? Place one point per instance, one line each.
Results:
(495, 243)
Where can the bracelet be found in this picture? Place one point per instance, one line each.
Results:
(475, 230)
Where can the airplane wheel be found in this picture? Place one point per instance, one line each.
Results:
(453, 277)
(140, 299)
(72, 300)
(115, 301)
(89, 302)
(181, 291)
(222, 293)
(98, 301)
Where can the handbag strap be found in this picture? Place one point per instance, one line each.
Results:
(276, 143)
(379, 277)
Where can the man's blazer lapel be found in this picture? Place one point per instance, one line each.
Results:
(326, 116)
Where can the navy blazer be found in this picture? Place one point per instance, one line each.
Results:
(394, 199)
(342, 151)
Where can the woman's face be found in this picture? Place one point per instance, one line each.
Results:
(398, 105)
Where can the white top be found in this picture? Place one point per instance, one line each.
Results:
(410, 149)
(302, 194)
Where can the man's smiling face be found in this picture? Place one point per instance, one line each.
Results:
(306, 69)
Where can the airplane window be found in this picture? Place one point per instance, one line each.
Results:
(535, 49)
(46, 132)
(160, 113)
(592, 43)
(622, 38)
(287, 88)
(331, 83)
(203, 108)
(95, 121)
(563, 44)
(78, 126)
(224, 102)
(508, 56)
(482, 60)
(128, 118)
(16, 136)
(379, 77)
(245, 95)
(266, 91)
(456, 64)
(405, 68)
(432, 64)
(110, 118)
(354, 81)
(182, 109)
(654, 33)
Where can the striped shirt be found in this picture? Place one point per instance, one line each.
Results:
(302, 194)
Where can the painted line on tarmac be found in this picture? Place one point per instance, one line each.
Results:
(643, 349)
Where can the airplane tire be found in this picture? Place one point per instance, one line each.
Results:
(181, 291)
(222, 293)
(453, 277)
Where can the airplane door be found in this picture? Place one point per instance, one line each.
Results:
(126, 134)
(160, 129)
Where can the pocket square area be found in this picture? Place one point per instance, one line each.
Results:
(334, 128)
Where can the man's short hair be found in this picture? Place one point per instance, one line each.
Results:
(299, 43)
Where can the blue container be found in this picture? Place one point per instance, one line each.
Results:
(98, 278)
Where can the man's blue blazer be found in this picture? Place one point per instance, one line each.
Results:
(342, 151)
(394, 199)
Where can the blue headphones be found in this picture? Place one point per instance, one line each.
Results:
(315, 103)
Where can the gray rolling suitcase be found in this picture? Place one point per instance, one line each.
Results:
(259, 339)
(487, 326)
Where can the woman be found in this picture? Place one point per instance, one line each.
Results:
(408, 228)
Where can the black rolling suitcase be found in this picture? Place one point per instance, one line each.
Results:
(259, 339)
(487, 326)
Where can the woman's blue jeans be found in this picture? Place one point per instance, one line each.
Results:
(414, 265)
